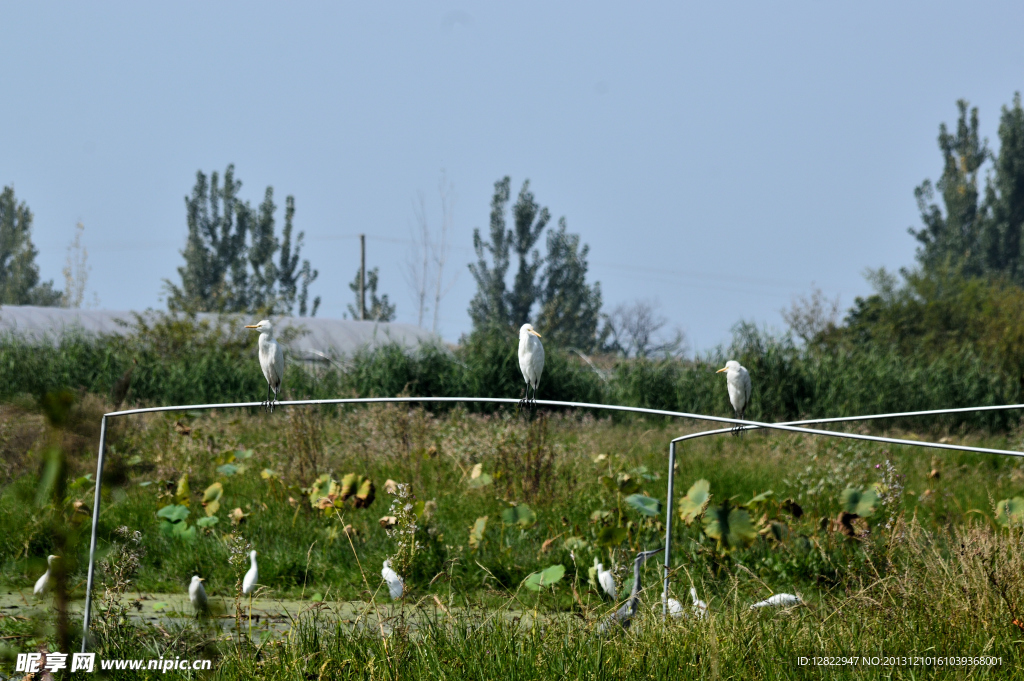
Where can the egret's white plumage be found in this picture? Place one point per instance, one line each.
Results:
(252, 576)
(778, 601)
(271, 359)
(531, 358)
(197, 594)
(607, 582)
(700, 608)
(737, 378)
(395, 584)
(44, 583)
(674, 607)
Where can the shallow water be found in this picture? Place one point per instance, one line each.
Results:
(268, 616)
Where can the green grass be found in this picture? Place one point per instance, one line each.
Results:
(944, 578)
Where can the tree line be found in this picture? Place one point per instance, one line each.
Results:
(236, 260)
(965, 291)
(966, 287)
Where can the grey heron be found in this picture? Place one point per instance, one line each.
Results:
(624, 615)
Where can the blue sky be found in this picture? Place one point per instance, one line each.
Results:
(718, 158)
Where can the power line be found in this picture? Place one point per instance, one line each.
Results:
(686, 274)
(693, 278)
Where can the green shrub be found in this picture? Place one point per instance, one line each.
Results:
(183, 361)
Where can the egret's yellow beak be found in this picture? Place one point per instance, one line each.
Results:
(722, 369)
(252, 326)
(535, 333)
(202, 579)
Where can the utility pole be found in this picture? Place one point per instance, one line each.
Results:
(362, 277)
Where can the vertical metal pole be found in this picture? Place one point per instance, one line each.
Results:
(95, 525)
(668, 523)
(362, 277)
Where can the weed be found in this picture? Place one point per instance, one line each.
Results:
(112, 627)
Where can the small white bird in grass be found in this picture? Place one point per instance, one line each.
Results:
(674, 607)
(778, 601)
(531, 360)
(700, 608)
(44, 583)
(607, 581)
(395, 584)
(197, 594)
(271, 360)
(251, 577)
(738, 380)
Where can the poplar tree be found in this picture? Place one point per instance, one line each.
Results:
(230, 254)
(951, 236)
(19, 273)
(570, 309)
(379, 308)
(494, 304)
(554, 287)
(1002, 238)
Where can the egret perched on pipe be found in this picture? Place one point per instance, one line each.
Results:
(44, 583)
(737, 379)
(395, 584)
(197, 594)
(271, 360)
(531, 361)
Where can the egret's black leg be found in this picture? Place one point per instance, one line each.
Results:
(266, 405)
(737, 429)
(524, 400)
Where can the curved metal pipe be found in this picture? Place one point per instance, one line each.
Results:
(500, 400)
(836, 419)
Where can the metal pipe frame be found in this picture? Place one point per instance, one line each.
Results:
(746, 424)
(835, 419)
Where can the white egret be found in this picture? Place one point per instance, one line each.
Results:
(271, 360)
(45, 583)
(251, 577)
(700, 608)
(778, 601)
(531, 360)
(607, 582)
(674, 607)
(197, 594)
(738, 380)
(624, 615)
(395, 584)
